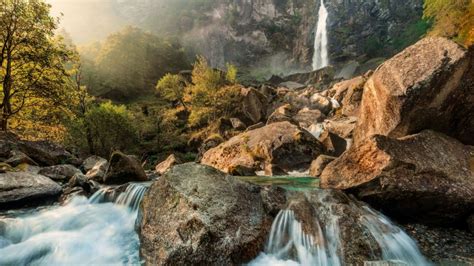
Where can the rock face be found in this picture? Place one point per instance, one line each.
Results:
(211, 219)
(429, 85)
(20, 188)
(60, 172)
(427, 177)
(124, 168)
(282, 144)
(164, 166)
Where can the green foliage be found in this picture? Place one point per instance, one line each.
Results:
(452, 18)
(128, 64)
(412, 34)
(171, 88)
(103, 129)
(231, 74)
(373, 46)
(32, 61)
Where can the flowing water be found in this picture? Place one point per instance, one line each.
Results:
(289, 245)
(86, 232)
(320, 57)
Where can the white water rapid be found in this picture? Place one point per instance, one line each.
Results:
(320, 57)
(86, 232)
(289, 245)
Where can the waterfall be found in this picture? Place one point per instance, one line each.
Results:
(289, 245)
(320, 57)
(86, 232)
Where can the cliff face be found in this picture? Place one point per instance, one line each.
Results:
(248, 31)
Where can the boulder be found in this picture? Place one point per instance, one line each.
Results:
(18, 189)
(60, 172)
(282, 144)
(429, 85)
(282, 113)
(253, 104)
(124, 168)
(333, 144)
(318, 165)
(239, 170)
(322, 103)
(307, 117)
(341, 126)
(349, 94)
(426, 177)
(47, 153)
(17, 157)
(211, 218)
(91, 161)
(237, 124)
(209, 143)
(165, 165)
(292, 85)
(98, 172)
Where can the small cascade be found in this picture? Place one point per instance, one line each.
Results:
(320, 57)
(288, 244)
(393, 241)
(81, 232)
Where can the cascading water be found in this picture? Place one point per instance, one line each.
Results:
(289, 245)
(320, 57)
(81, 232)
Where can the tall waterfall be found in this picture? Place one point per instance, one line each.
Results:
(320, 57)
(85, 232)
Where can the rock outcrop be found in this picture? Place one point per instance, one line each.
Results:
(429, 85)
(426, 177)
(282, 144)
(18, 189)
(195, 214)
(124, 168)
(61, 173)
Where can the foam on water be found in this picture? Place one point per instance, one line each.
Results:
(81, 232)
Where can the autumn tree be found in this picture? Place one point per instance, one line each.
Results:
(171, 88)
(32, 60)
(452, 18)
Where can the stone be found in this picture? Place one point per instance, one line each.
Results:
(274, 170)
(209, 143)
(47, 153)
(165, 165)
(426, 177)
(307, 117)
(18, 189)
(292, 85)
(429, 85)
(124, 168)
(237, 124)
(282, 144)
(17, 157)
(349, 94)
(341, 126)
(333, 144)
(239, 170)
(60, 172)
(90, 162)
(98, 172)
(321, 103)
(253, 104)
(470, 223)
(281, 114)
(211, 219)
(318, 165)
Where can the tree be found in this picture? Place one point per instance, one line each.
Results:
(452, 18)
(171, 87)
(32, 61)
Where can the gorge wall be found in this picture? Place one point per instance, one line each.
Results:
(247, 32)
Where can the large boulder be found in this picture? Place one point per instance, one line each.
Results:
(427, 177)
(253, 104)
(282, 144)
(17, 157)
(91, 161)
(98, 171)
(430, 85)
(197, 215)
(62, 172)
(349, 94)
(124, 168)
(47, 153)
(18, 189)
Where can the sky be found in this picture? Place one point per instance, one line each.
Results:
(87, 20)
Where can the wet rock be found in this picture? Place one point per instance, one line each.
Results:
(165, 165)
(124, 168)
(426, 177)
(211, 219)
(282, 144)
(70, 193)
(318, 165)
(427, 86)
(18, 189)
(17, 157)
(60, 172)
(91, 162)
(385, 263)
